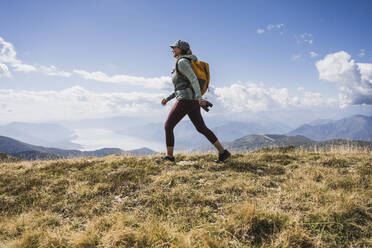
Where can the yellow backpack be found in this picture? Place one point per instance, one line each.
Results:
(201, 70)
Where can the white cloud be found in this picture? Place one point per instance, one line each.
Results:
(253, 97)
(312, 99)
(313, 54)
(305, 37)
(4, 71)
(53, 71)
(163, 82)
(270, 27)
(354, 80)
(75, 103)
(362, 52)
(78, 103)
(295, 57)
(274, 26)
(8, 56)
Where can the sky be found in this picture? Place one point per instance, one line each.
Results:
(292, 61)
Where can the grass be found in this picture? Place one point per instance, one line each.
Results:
(281, 197)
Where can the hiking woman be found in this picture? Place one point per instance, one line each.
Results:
(188, 101)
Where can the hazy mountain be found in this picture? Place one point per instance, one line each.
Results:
(255, 141)
(31, 152)
(103, 152)
(233, 129)
(42, 134)
(187, 137)
(144, 151)
(320, 122)
(15, 147)
(357, 127)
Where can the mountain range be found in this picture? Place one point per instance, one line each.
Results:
(257, 141)
(62, 134)
(187, 137)
(31, 152)
(42, 134)
(48, 138)
(356, 127)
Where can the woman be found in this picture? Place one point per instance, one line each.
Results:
(188, 102)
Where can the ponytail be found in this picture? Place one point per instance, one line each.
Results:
(188, 52)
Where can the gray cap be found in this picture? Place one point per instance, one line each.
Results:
(183, 45)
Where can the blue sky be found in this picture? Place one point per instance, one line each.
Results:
(260, 47)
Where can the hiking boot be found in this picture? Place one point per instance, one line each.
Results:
(164, 159)
(223, 156)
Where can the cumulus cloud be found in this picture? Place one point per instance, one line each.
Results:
(312, 99)
(75, 103)
(241, 97)
(163, 82)
(8, 55)
(260, 31)
(4, 71)
(354, 80)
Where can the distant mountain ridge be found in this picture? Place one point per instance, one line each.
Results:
(31, 152)
(42, 134)
(356, 127)
(144, 151)
(187, 137)
(257, 141)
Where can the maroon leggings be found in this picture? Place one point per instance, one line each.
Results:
(178, 111)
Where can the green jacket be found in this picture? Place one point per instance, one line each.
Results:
(184, 66)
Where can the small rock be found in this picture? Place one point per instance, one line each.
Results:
(183, 162)
(202, 180)
(118, 198)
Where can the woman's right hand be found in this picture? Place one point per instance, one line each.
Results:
(164, 101)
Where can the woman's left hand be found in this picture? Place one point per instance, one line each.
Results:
(202, 102)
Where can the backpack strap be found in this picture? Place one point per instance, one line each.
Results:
(179, 73)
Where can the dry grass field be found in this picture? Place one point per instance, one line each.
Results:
(281, 197)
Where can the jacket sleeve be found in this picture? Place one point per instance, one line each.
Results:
(185, 68)
(171, 96)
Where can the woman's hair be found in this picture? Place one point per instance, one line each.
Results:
(188, 52)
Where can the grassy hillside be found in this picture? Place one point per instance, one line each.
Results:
(8, 158)
(281, 197)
